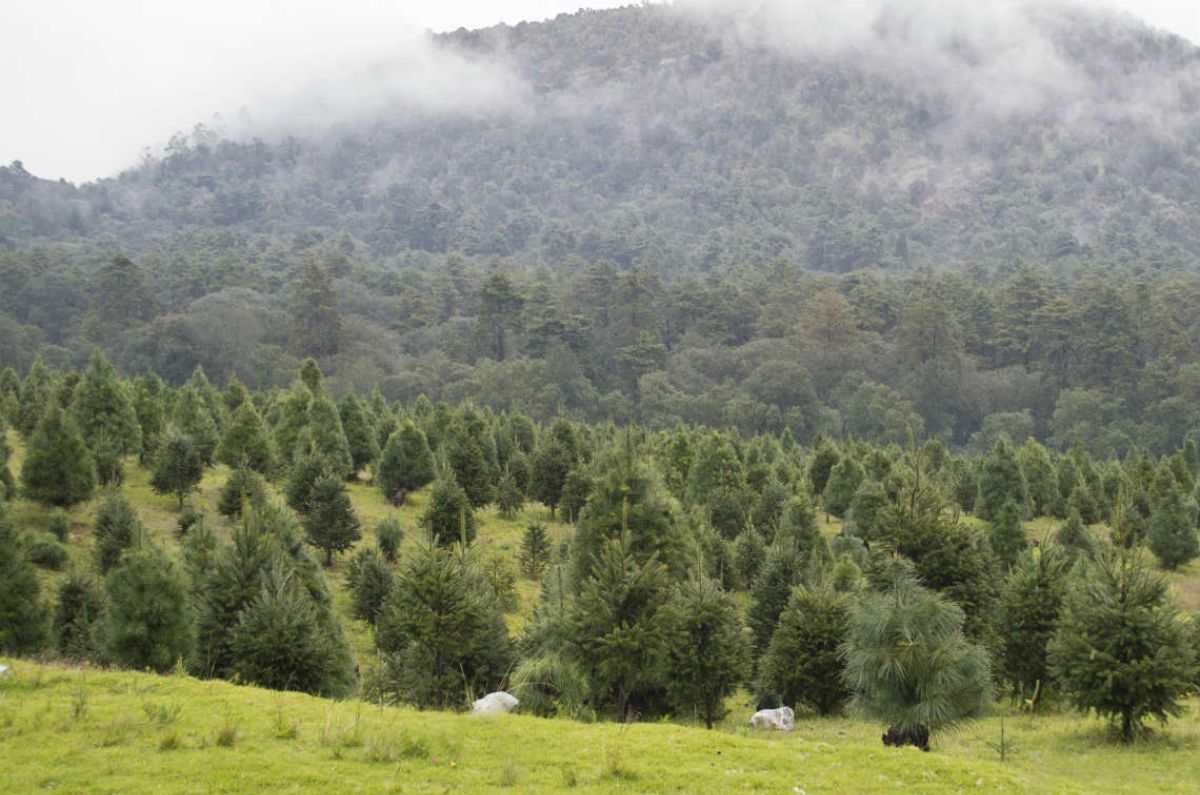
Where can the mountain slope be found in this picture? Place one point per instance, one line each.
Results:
(675, 137)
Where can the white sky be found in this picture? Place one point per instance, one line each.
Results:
(87, 84)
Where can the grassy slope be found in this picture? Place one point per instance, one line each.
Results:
(1061, 753)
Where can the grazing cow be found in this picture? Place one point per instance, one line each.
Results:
(917, 737)
(498, 703)
(399, 497)
(782, 719)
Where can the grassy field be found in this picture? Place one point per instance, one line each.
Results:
(89, 731)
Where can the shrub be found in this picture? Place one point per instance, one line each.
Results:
(59, 525)
(48, 553)
(803, 662)
(390, 535)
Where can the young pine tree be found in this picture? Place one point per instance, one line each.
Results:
(1173, 536)
(330, 523)
(406, 462)
(909, 664)
(535, 551)
(78, 617)
(1008, 534)
(749, 554)
(1075, 538)
(708, 657)
(1120, 649)
(574, 495)
(390, 535)
(802, 663)
(844, 479)
(620, 626)
(23, 617)
(246, 442)
(1000, 480)
(449, 517)
(369, 580)
(58, 469)
(242, 487)
(104, 410)
(179, 467)
(117, 529)
(1030, 604)
(770, 592)
(360, 433)
(193, 418)
(509, 498)
(146, 632)
(279, 641)
(440, 633)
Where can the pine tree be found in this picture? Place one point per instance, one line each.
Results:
(279, 641)
(8, 486)
(1000, 480)
(768, 507)
(78, 617)
(36, 397)
(749, 554)
(1173, 536)
(1030, 604)
(104, 411)
(246, 442)
(909, 664)
(1008, 534)
(708, 657)
(715, 465)
(192, 418)
(535, 551)
(243, 486)
(212, 399)
(628, 498)
(825, 457)
(620, 626)
(466, 459)
(369, 581)
(1120, 650)
(23, 617)
(291, 420)
(509, 498)
(312, 377)
(360, 433)
(440, 633)
(58, 468)
(449, 517)
(390, 535)
(798, 528)
(305, 472)
(552, 462)
(1074, 538)
(574, 495)
(179, 467)
(844, 479)
(146, 633)
(148, 393)
(117, 529)
(869, 500)
(1040, 477)
(330, 523)
(406, 462)
(770, 592)
(226, 580)
(802, 663)
(328, 439)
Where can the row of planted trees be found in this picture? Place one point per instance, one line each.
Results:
(636, 613)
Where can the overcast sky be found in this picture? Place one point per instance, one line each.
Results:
(87, 84)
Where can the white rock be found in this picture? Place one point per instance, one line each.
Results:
(497, 703)
(782, 719)
(5, 672)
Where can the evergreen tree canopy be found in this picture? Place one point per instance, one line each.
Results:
(104, 410)
(58, 468)
(406, 462)
(1030, 604)
(23, 616)
(246, 442)
(330, 523)
(908, 662)
(802, 663)
(179, 467)
(193, 418)
(117, 529)
(1120, 649)
(708, 657)
(149, 620)
(449, 517)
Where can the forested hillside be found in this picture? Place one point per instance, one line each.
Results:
(681, 214)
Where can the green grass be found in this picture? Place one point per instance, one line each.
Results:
(140, 733)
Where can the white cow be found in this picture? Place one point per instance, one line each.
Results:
(497, 703)
(5, 672)
(782, 719)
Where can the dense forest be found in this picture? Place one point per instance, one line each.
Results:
(853, 562)
(678, 218)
